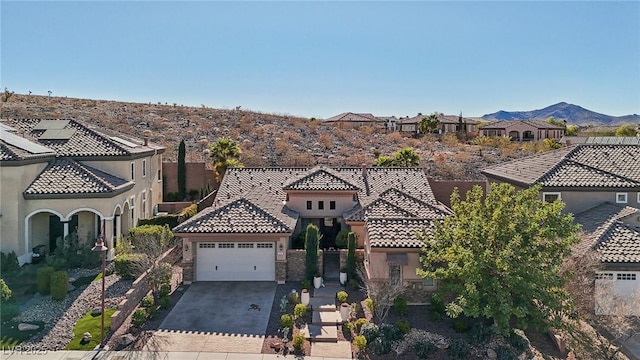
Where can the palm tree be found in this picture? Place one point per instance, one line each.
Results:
(384, 161)
(406, 157)
(429, 124)
(224, 153)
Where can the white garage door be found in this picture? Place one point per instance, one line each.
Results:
(236, 262)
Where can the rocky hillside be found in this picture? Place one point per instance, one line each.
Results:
(574, 114)
(265, 139)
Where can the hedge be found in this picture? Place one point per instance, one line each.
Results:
(43, 279)
(126, 265)
(172, 220)
(59, 285)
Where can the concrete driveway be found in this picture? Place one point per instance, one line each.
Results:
(217, 316)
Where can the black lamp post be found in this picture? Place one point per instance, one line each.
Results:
(99, 247)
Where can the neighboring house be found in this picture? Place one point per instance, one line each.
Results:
(60, 177)
(600, 140)
(524, 130)
(258, 212)
(613, 232)
(356, 120)
(447, 124)
(583, 176)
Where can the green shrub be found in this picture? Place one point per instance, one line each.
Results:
(293, 297)
(423, 348)
(360, 342)
(506, 352)
(5, 292)
(356, 309)
(459, 349)
(127, 265)
(298, 342)
(151, 311)
(370, 331)
(139, 317)
(306, 284)
(400, 305)
(59, 285)
(147, 301)
(9, 310)
(300, 310)
(460, 324)
(342, 296)
(358, 324)
(390, 332)
(403, 326)
(164, 301)
(57, 262)
(286, 321)
(123, 246)
(165, 290)
(519, 340)
(479, 333)
(9, 262)
(437, 307)
(43, 279)
(368, 302)
(341, 239)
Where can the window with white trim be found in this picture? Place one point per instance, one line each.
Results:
(265, 246)
(621, 198)
(626, 276)
(132, 206)
(143, 210)
(226, 245)
(133, 171)
(245, 246)
(604, 276)
(551, 196)
(144, 168)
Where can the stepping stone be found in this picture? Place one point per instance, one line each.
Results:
(340, 349)
(326, 318)
(324, 333)
(27, 327)
(327, 291)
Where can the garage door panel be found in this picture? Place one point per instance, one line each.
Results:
(235, 262)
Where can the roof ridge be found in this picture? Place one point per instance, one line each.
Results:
(379, 199)
(558, 164)
(102, 137)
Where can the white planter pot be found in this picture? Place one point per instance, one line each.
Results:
(317, 282)
(345, 310)
(304, 297)
(343, 278)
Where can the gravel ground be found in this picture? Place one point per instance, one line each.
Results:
(61, 316)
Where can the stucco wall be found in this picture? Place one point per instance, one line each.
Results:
(442, 189)
(298, 202)
(198, 176)
(379, 269)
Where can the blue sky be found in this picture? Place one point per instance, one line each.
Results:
(318, 59)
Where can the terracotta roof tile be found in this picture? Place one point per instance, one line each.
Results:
(397, 233)
(319, 178)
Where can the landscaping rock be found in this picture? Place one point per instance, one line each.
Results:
(126, 340)
(86, 337)
(491, 354)
(96, 311)
(27, 327)
(70, 287)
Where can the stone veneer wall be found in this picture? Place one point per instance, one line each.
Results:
(281, 271)
(296, 264)
(344, 253)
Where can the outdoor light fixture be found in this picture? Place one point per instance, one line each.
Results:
(99, 247)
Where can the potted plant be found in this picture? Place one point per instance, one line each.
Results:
(317, 281)
(304, 296)
(343, 275)
(345, 311)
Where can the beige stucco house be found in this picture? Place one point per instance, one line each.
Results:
(59, 177)
(524, 130)
(447, 124)
(259, 211)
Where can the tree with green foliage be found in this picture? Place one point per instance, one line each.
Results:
(406, 157)
(152, 241)
(351, 255)
(572, 130)
(312, 248)
(551, 120)
(429, 124)
(182, 170)
(384, 161)
(5, 291)
(224, 153)
(499, 257)
(626, 130)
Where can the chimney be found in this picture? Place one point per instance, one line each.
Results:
(568, 142)
(364, 171)
(146, 141)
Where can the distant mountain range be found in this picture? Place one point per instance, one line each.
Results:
(574, 114)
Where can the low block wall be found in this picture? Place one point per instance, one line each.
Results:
(297, 262)
(173, 207)
(139, 289)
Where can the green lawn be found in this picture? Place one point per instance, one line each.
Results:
(90, 324)
(11, 336)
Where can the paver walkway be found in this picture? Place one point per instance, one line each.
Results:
(340, 349)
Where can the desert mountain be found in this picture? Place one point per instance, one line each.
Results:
(574, 114)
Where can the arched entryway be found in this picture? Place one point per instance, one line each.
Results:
(514, 135)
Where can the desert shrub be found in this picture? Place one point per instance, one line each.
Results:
(57, 262)
(139, 317)
(368, 302)
(403, 326)
(306, 284)
(460, 324)
(147, 301)
(342, 296)
(391, 333)
(356, 309)
(423, 348)
(298, 342)
(400, 305)
(360, 342)
(5, 292)
(459, 349)
(293, 297)
(286, 321)
(506, 352)
(9, 262)
(151, 311)
(479, 333)
(437, 307)
(388, 336)
(358, 324)
(164, 301)
(43, 279)
(59, 285)
(380, 346)
(341, 239)
(519, 340)
(300, 310)
(370, 331)
(127, 265)
(165, 290)
(9, 310)
(123, 246)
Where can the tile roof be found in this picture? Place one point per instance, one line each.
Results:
(604, 230)
(589, 166)
(355, 117)
(443, 119)
(239, 216)
(539, 124)
(67, 177)
(319, 178)
(79, 140)
(397, 233)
